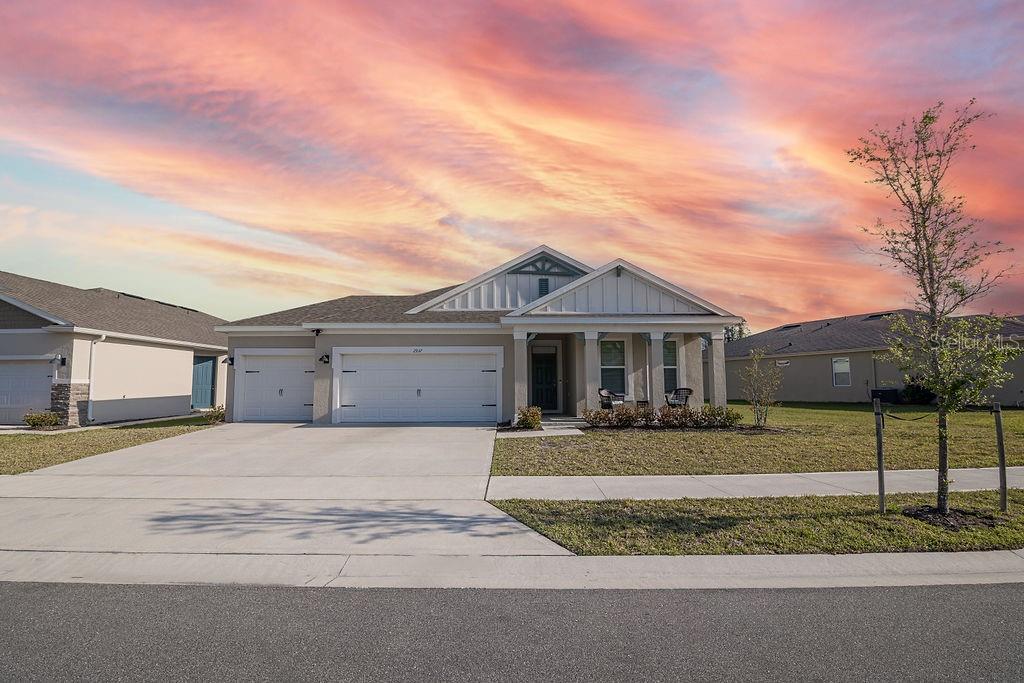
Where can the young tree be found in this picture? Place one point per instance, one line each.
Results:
(933, 241)
(761, 382)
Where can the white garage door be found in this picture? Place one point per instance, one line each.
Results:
(24, 386)
(277, 387)
(418, 387)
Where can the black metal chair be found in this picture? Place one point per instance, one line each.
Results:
(679, 397)
(609, 399)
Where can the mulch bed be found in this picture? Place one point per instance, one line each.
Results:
(956, 520)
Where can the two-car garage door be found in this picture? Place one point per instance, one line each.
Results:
(416, 386)
(24, 386)
(457, 384)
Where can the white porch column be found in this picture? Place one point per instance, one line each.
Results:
(716, 368)
(657, 369)
(520, 368)
(592, 368)
(694, 367)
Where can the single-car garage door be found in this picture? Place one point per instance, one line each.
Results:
(24, 386)
(418, 386)
(277, 387)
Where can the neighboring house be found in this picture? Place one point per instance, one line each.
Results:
(542, 329)
(95, 355)
(838, 359)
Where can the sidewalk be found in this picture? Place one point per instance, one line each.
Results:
(524, 571)
(744, 485)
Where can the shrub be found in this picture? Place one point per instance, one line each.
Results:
(675, 416)
(215, 415)
(915, 394)
(528, 417)
(646, 417)
(597, 418)
(622, 416)
(716, 417)
(42, 420)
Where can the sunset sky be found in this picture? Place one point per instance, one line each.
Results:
(243, 157)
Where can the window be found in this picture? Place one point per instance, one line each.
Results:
(543, 286)
(671, 366)
(841, 372)
(613, 366)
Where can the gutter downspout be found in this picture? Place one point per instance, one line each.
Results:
(92, 352)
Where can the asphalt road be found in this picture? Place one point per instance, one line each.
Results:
(81, 631)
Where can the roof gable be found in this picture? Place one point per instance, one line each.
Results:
(510, 285)
(620, 287)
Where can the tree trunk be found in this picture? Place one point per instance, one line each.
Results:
(943, 499)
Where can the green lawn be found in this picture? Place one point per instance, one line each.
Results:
(808, 438)
(751, 526)
(26, 452)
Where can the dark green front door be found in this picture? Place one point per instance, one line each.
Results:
(203, 370)
(545, 381)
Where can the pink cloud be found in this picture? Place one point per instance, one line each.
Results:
(422, 143)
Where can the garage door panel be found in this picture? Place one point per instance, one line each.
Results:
(418, 387)
(278, 388)
(24, 386)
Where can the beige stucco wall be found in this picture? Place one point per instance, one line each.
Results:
(809, 378)
(40, 344)
(132, 380)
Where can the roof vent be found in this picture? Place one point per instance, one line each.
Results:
(132, 296)
(876, 316)
(792, 326)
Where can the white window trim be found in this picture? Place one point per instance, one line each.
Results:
(338, 351)
(849, 372)
(239, 365)
(628, 338)
(671, 367)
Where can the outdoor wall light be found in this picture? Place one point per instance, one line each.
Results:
(325, 359)
(59, 360)
(230, 360)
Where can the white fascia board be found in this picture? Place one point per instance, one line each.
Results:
(43, 356)
(138, 337)
(33, 310)
(540, 321)
(259, 328)
(635, 270)
(399, 327)
(542, 249)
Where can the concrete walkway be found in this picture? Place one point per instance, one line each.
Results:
(544, 572)
(743, 485)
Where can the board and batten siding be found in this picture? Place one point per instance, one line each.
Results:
(618, 293)
(503, 292)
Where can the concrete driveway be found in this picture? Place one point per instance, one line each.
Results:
(286, 489)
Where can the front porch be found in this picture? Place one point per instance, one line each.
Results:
(562, 371)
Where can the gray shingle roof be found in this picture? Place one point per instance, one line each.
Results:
(371, 309)
(110, 311)
(863, 331)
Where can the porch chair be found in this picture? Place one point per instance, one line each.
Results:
(609, 399)
(679, 397)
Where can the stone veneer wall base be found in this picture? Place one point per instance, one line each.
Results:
(71, 402)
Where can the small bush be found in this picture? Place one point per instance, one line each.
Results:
(646, 417)
(915, 394)
(716, 417)
(528, 417)
(622, 416)
(214, 415)
(597, 418)
(42, 420)
(675, 417)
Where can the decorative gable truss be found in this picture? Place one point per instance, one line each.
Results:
(620, 288)
(512, 284)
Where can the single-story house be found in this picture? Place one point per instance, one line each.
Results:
(542, 329)
(96, 355)
(839, 359)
